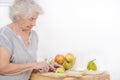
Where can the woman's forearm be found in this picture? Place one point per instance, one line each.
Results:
(13, 69)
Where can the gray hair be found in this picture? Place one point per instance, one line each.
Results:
(23, 9)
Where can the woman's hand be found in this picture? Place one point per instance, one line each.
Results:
(41, 67)
(54, 66)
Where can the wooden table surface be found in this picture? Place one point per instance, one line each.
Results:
(70, 75)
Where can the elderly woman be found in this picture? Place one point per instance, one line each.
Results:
(18, 43)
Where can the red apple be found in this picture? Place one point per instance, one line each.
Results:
(59, 59)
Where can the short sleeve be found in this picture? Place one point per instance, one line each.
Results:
(5, 42)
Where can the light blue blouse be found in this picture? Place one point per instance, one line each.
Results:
(19, 52)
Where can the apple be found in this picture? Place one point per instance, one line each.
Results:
(69, 61)
(59, 59)
(67, 65)
(69, 57)
(59, 70)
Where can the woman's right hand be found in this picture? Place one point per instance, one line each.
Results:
(41, 67)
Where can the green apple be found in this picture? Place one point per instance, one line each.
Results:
(67, 65)
(59, 70)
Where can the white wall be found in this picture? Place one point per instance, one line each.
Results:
(87, 28)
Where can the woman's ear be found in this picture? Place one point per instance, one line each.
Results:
(16, 18)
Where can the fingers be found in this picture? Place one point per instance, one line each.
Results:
(52, 68)
(56, 65)
(41, 67)
(46, 68)
(41, 70)
(35, 71)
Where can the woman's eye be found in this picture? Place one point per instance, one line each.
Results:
(31, 19)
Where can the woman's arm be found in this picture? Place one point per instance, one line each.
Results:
(7, 68)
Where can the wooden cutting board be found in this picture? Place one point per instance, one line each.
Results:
(69, 75)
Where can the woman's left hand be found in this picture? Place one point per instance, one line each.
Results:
(54, 66)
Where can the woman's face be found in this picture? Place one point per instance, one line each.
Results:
(27, 24)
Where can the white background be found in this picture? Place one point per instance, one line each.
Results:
(87, 28)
